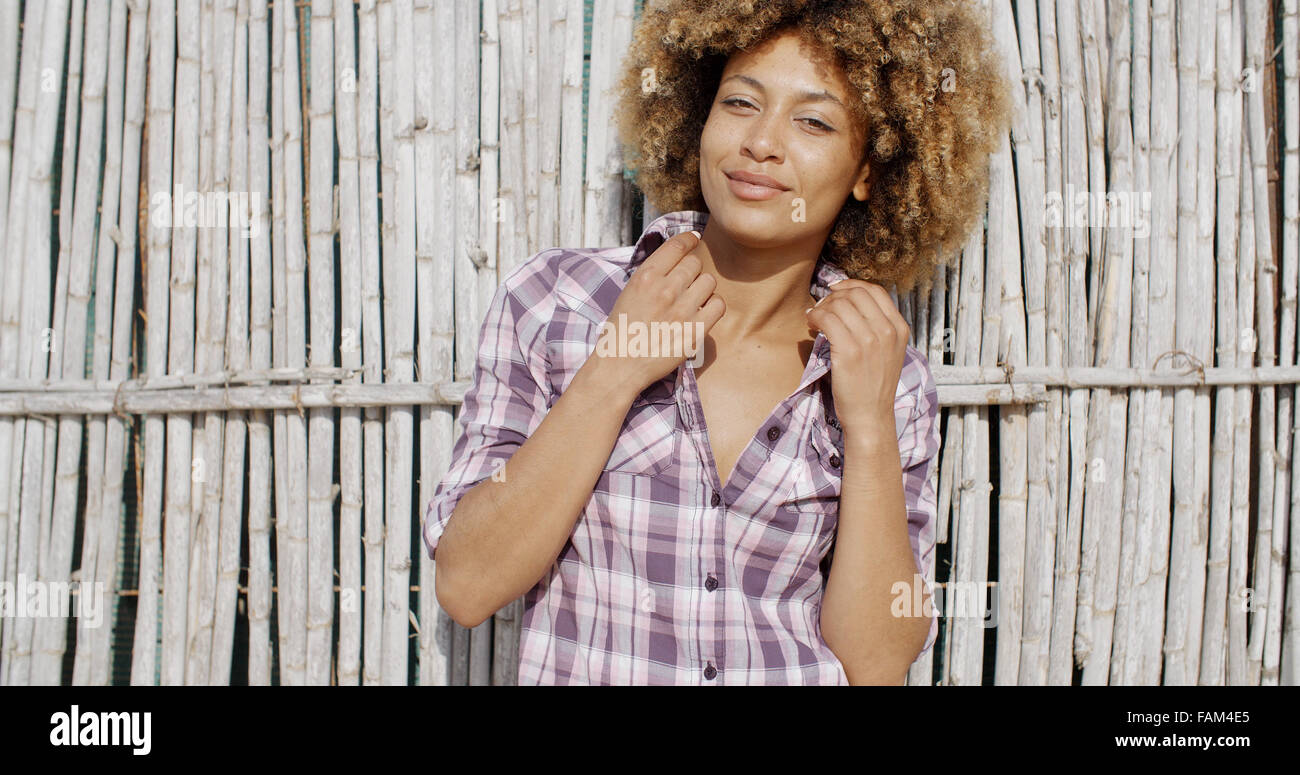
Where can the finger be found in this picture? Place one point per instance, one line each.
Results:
(666, 256)
(890, 310)
(698, 292)
(875, 303)
(837, 332)
(712, 311)
(682, 275)
(855, 307)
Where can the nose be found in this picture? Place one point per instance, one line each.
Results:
(761, 140)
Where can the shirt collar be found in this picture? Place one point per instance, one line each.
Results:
(668, 225)
(825, 274)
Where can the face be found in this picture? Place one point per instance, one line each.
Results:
(779, 113)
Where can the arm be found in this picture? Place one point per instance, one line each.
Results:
(508, 529)
(885, 534)
(522, 473)
(884, 542)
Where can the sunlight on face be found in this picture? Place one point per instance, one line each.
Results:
(782, 115)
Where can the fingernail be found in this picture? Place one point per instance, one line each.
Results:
(696, 233)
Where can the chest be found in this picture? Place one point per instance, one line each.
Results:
(740, 388)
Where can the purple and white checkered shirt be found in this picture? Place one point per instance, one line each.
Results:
(668, 578)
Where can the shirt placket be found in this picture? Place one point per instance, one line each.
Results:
(708, 646)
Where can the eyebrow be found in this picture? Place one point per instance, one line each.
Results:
(804, 96)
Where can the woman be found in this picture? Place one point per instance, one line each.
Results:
(763, 512)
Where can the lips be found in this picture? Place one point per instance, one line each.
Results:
(756, 179)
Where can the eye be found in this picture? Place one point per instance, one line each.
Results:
(815, 123)
(736, 101)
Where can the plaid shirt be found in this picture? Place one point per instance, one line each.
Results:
(669, 578)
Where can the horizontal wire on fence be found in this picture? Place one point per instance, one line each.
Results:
(957, 386)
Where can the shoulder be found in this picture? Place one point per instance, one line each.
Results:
(584, 280)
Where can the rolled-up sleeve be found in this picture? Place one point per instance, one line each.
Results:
(505, 403)
(919, 450)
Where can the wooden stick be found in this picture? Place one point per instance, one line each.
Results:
(1153, 504)
(1256, 13)
(1179, 663)
(292, 577)
(51, 458)
(279, 333)
(1239, 667)
(104, 464)
(1219, 605)
(218, 450)
(550, 74)
(320, 461)
(964, 655)
(1007, 228)
(37, 339)
(16, 134)
(51, 631)
(180, 356)
(1031, 177)
(1066, 638)
(475, 269)
(1286, 336)
(1126, 647)
(571, 131)
(207, 473)
(260, 336)
(437, 319)
(1290, 657)
(162, 50)
(399, 322)
(371, 342)
(349, 219)
(237, 355)
(1093, 56)
(1114, 312)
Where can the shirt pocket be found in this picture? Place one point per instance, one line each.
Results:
(647, 441)
(812, 501)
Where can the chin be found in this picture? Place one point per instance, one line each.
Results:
(754, 224)
(754, 227)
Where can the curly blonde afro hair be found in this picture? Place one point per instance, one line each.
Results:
(929, 95)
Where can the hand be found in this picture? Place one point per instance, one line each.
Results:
(667, 288)
(868, 339)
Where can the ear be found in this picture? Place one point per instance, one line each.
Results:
(862, 188)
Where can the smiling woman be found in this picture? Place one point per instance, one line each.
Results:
(754, 514)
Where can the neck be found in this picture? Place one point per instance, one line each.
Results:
(764, 288)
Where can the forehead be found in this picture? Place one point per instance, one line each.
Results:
(787, 61)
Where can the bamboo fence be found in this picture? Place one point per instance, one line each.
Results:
(231, 422)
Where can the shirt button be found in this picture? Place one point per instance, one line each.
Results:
(710, 583)
(716, 499)
(773, 433)
(835, 460)
(710, 671)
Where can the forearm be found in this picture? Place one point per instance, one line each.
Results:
(873, 553)
(507, 531)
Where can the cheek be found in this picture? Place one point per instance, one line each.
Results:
(713, 138)
(824, 187)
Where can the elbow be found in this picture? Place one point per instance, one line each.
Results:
(461, 610)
